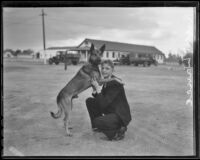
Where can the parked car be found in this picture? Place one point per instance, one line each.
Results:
(116, 62)
(143, 60)
(55, 59)
(124, 60)
(62, 58)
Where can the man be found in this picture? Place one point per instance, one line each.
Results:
(109, 110)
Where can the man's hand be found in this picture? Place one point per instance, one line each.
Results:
(95, 85)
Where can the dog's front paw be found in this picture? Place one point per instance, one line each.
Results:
(75, 96)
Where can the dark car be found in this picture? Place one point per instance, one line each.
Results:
(124, 60)
(55, 59)
(62, 58)
(142, 60)
(116, 62)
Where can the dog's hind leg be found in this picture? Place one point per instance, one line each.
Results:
(67, 111)
(66, 124)
(70, 124)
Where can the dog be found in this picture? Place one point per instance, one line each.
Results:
(80, 82)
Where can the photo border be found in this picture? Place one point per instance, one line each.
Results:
(196, 65)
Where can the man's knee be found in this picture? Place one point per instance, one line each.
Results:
(97, 123)
(100, 123)
(107, 122)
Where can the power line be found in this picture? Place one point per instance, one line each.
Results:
(57, 19)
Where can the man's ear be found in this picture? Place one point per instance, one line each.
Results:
(92, 48)
(102, 49)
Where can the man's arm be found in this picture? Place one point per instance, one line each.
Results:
(94, 92)
(105, 100)
(95, 87)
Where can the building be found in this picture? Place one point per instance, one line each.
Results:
(115, 50)
(8, 54)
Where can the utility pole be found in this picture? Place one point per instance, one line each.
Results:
(43, 30)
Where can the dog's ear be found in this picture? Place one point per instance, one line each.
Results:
(92, 48)
(102, 49)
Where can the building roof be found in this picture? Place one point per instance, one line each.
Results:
(124, 47)
(63, 48)
(86, 48)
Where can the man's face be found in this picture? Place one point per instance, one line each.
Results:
(106, 70)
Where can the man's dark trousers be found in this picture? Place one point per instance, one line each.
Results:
(109, 123)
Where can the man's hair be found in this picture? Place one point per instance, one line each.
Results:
(109, 62)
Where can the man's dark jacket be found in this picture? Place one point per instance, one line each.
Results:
(112, 99)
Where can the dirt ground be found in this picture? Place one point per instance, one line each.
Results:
(162, 124)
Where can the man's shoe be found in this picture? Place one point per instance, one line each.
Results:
(118, 137)
(122, 130)
(120, 134)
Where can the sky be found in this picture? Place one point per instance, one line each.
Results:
(170, 29)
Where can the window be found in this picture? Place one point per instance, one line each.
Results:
(107, 54)
(113, 54)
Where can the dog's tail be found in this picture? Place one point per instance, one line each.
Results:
(56, 115)
(59, 113)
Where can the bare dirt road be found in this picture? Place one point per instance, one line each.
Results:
(162, 124)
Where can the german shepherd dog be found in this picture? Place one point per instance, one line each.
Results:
(80, 82)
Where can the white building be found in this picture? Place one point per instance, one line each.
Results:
(115, 50)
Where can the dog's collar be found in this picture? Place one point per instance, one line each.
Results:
(88, 71)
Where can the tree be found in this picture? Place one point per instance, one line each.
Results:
(169, 55)
(186, 61)
(17, 52)
(188, 55)
(9, 50)
(173, 58)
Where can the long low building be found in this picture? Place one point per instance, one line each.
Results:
(113, 50)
